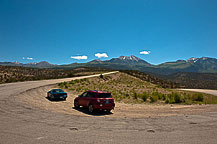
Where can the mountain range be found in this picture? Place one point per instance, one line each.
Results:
(42, 64)
(201, 65)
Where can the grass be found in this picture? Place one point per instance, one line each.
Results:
(128, 89)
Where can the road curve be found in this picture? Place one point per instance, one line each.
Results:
(212, 92)
(19, 87)
(23, 123)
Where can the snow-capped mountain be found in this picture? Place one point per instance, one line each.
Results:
(128, 60)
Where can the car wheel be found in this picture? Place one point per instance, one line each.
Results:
(49, 96)
(108, 111)
(76, 105)
(90, 108)
(52, 97)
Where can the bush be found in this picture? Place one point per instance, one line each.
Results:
(163, 97)
(134, 95)
(197, 97)
(167, 101)
(153, 98)
(70, 75)
(170, 99)
(173, 98)
(144, 96)
(177, 98)
(186, 98)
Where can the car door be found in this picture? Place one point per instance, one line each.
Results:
(82, 98)
(87, 99)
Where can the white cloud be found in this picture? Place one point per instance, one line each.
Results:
(78, 57)
(145, 52)
(100, 55)
(28, 58)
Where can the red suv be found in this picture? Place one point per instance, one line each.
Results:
(95, 100)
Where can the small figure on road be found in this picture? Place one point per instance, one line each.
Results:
(101, 76)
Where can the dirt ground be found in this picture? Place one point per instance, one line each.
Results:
(26, 117)
(37, 98)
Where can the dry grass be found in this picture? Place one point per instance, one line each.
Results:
(128, 89)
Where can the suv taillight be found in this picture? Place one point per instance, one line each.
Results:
(98, 100)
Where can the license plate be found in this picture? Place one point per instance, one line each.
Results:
(107, 102)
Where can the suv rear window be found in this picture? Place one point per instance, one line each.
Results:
(105, 95)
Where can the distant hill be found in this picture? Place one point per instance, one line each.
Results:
(199, 65)
(17, 73)
(192, 80)
(203, 65)
(42, 64)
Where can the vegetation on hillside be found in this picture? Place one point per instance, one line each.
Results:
(14, 74)
(152, 79)
(179, 80)
(128, 89)
(193, 80)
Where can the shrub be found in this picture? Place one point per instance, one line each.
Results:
(197, 97)
(185, 98)
(170, 98)
(71, 82)
(70, 75)
(163, 97)
(177, 98)
(144, 96)
(167, 101)
(153, 98)
(134, 95)
(127, 95)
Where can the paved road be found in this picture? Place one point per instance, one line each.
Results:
(212, 92)
(25, 124)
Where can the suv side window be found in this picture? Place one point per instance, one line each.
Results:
(90, 94)
(84, 94)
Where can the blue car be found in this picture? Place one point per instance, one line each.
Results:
(55, 94)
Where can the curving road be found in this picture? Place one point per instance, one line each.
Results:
(212, 92)
(22, 122)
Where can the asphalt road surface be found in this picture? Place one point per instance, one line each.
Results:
(24, 123)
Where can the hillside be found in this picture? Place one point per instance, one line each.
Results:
(129, 89)
(164, 83)
(193, 80)
(14, 73)
(178, 80)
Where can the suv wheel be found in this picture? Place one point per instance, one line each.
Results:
(76, 104)
(108, 111)
(90, 108)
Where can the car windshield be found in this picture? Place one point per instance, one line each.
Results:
(105, 95)
(58, 90)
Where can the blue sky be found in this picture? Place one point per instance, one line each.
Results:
(59, 30)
